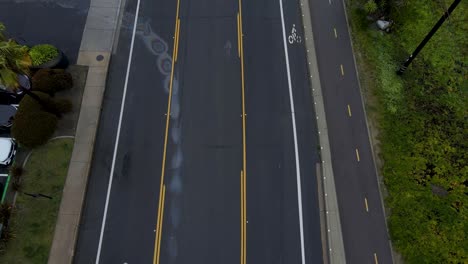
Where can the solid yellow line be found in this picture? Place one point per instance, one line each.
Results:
(177, 39)
(357, 155)
(336, 35)
(242, 216)
(243, 99)
(162, 188)
(240, 7)
(238, 35)
(375, 259)
(367, 206)
(156, 241)
(244, 147)
(245, 221)
(342, 70)
(349, 110)
(160, 222)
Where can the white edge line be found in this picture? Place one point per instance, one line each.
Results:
(296, 152)
(122, 107)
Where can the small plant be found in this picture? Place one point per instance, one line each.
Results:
(51, 81)
(43, 53)
(371, 7)
(16, 171)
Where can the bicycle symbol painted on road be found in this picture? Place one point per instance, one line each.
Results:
(294, 37)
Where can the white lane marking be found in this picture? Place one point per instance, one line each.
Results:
(296, 152)
(122, 107)
(294, 37)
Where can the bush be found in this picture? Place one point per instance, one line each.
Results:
(33, 129)
(370, 6)
(43, 53)
(51, 81)
(29, 104)
(49, 104)
(422, 122)
(33, 126)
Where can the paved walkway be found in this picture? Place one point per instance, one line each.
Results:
(95, 52)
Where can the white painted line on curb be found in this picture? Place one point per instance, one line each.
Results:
(296, 152)
(122, 107)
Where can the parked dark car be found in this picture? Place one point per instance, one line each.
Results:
(10, 98)
(7, 114)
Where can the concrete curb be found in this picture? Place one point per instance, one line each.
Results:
(335, 245)
(95, 52)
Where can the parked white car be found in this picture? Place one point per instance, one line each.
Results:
(7, 151)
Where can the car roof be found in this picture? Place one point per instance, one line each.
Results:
(6, 112)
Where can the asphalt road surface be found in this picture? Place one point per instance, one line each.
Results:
(56, 22)
(170, 189)
(363, 224)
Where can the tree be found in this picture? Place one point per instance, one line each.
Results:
(14, 60)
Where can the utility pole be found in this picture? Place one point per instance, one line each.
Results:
(428, 37)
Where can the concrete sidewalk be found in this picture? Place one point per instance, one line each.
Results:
(95, 51)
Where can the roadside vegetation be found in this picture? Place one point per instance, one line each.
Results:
(421, 120)
(30, 77)
(34, 215)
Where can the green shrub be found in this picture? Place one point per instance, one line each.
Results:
(370, 6)
(33, 129)
(51, 81)
(422, 126)
(43, 53)
(33, 126)
(30, 104)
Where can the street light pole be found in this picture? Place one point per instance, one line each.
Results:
(428, 37)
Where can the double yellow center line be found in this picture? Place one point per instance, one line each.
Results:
(162, 188)
(243, 173)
